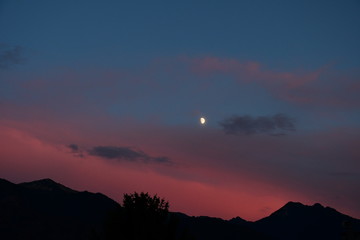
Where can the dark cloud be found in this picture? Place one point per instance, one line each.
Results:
(125, 153)
(161, 159)
(74, 147)
(112, 152)
(275, 125)
(10, 55)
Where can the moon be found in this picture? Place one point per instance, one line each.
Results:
(202, 120)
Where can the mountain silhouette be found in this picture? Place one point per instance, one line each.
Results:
(298, 221)
(47, 185)
(45, 209)
(203, 227)
(293, 221)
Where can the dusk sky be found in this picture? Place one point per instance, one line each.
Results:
(106, 96)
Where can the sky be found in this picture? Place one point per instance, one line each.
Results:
(106, 96)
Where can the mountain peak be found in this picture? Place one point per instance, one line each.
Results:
(5, 182)
(237, 220)
(45, 181)
(47, 184)
(296, 209)
(298, 205)
(294, 204)
(317, 205)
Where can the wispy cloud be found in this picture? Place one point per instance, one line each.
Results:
(321, 87)
(75, 149)
(125, 153)
(10, 55)
(278, 124)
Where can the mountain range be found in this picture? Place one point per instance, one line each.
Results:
(45, 209)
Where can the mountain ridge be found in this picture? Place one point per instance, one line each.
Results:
(46, 204)
(45, 209)
(47, 184)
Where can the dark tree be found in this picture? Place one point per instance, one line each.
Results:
(145, 205)
(142, 217)
(146, 215)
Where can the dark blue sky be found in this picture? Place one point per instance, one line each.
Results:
(283, 36)
(122, 71)
(294, 33)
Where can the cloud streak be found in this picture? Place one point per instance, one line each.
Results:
(125, 154)
(76, 151)
(9, 55)
(322, 87)
(277, 124)
(74, 148)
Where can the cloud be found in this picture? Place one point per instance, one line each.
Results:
(73, 147)
(247, 125)
(112, 152)
(9, 55)
(250, 71)
(319, 87)
(125, 153)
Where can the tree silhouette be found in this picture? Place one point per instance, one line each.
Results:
(146, 205)
(142, 217)
(146, 215)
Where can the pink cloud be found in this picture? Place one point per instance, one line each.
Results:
(249, 71)
(315, 87)
(87, 90)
